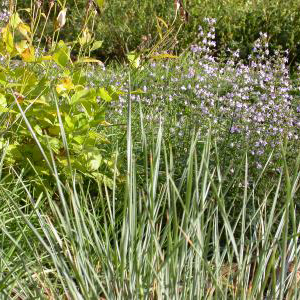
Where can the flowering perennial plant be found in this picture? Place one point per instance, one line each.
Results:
(4, 12)
(253, 104)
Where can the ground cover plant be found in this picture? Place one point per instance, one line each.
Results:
(170, 177)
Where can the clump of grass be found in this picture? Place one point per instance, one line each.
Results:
(164, 238)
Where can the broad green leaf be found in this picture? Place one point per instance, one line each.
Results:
(2, 78)
(28, 54)
(65, 84)
(102, 92)
(42, 88)
(38, 129)
(63, 161)
(54, 130)
(42, 170)
(12, 150)
(96, 136)
(55, 144)
(134, 59)
(84, 96)
(96, 45)
(79, 139)
(15, 20)
(21, 46)
(61, 58)
(46, 122)
(131, 56)
(8, 39)
(3, 103)
(3, 109)
(79, 78)
(69, 122)
(100, 3)
(33, 152)
(103, 179)
(114, 92)
(100, 116)
(61, 54)
(81, 122)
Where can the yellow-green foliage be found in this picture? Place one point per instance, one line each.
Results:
(50, 122)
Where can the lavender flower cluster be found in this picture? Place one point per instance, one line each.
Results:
(4, 12)
(253, 104)
(4, 17)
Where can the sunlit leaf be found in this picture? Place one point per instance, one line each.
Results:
(137, 92)
(2, 78)
(65, 84)
(79, 78)
(47, 57)
(69, 122)
(38, 129)
(21, 46)
(102, 92)
(94, 160)
(84, 95)
(103, 179)
(3, 103)
(8, 39)
(100, 3)
(99, 117)
(134, 59)
(96, 45)
(79, 139)
(88, 60)
(28, 54)
(24, 30)
(61, 54)
(61, 58)
(163, 55)
(86, 37)
(114, 92)
(14, 20)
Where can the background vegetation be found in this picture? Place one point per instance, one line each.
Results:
(125, 26)
(162, 177)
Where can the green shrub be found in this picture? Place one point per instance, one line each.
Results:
(50, 116)
(124, 26)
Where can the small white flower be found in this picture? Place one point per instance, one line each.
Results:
(61, 18)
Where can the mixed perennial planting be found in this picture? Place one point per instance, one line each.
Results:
(143, 206)
(254, 104)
